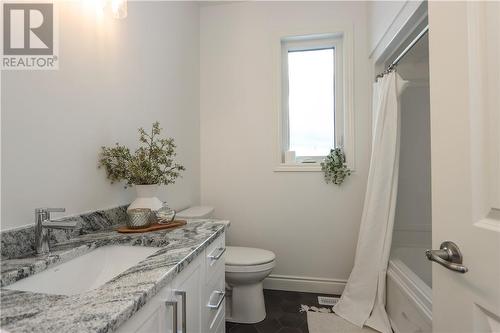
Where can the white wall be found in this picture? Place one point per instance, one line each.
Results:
(413, 219)
(381, 15)
(114, 76)
(311, 226)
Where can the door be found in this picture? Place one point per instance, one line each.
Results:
(188, 291)
(156, 316)
(465, 134)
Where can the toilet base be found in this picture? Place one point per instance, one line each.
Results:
(247, 304)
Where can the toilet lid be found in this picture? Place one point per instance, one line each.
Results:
(247, 256)
(196, 212)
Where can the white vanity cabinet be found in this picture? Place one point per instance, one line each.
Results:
(214, 312)
(195, 297)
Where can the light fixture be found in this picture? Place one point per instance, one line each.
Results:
(119, 8)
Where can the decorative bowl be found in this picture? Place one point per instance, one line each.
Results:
(139, 218)
(165, 214)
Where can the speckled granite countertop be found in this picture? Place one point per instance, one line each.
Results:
(103, 309)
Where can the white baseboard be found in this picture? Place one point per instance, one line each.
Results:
(305, 284)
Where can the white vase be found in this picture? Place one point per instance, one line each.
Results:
(146, 197)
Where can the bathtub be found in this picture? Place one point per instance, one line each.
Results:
(409, 294)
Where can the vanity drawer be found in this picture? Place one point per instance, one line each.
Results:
(215, 300)
(215, 257)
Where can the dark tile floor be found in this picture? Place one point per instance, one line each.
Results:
(283, 314)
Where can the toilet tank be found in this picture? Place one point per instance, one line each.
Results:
(196, 212)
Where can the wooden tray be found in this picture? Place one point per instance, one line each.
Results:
(152, 227)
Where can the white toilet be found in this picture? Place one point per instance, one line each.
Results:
(246, 269)
(196, 212)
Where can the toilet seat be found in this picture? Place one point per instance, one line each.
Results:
(248, 259)
(250, 268)
(247, 256)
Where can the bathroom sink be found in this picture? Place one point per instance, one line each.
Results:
(85, 272)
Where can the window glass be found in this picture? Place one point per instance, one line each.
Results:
(311, 101)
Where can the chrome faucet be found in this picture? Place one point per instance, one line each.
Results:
(42, 225)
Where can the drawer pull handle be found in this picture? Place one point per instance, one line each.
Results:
(173, 304)
(216, 305)
(182, 293)
(217, 253)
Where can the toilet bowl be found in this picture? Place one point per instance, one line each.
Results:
(246, 269)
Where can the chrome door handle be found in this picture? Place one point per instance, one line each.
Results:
(218, 253)
(449, 256)
(216, 305)
(173, 304)
(183, 298)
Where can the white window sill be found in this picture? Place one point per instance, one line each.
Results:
(298, 167)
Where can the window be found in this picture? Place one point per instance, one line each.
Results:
(312, 96)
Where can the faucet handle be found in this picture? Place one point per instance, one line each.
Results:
(44, 213)
(55, 210)
(50, 210)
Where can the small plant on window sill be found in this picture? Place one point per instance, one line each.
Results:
(335, 168)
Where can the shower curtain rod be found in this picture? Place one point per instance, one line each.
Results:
(393, 65)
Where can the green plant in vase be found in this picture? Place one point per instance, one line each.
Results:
(149, 166)
(335, 168)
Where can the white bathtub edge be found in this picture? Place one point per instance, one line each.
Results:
(413, 286)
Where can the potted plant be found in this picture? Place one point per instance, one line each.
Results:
(335, 168)
(151, 165)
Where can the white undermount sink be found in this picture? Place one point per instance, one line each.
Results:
(85, 272)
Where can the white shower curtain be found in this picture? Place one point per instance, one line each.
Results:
(363, 299)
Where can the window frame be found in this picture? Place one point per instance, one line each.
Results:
(342, 112)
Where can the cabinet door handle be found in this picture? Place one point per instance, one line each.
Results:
(182, 293)
(217, 253)
(173, 304)
(216, 305)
